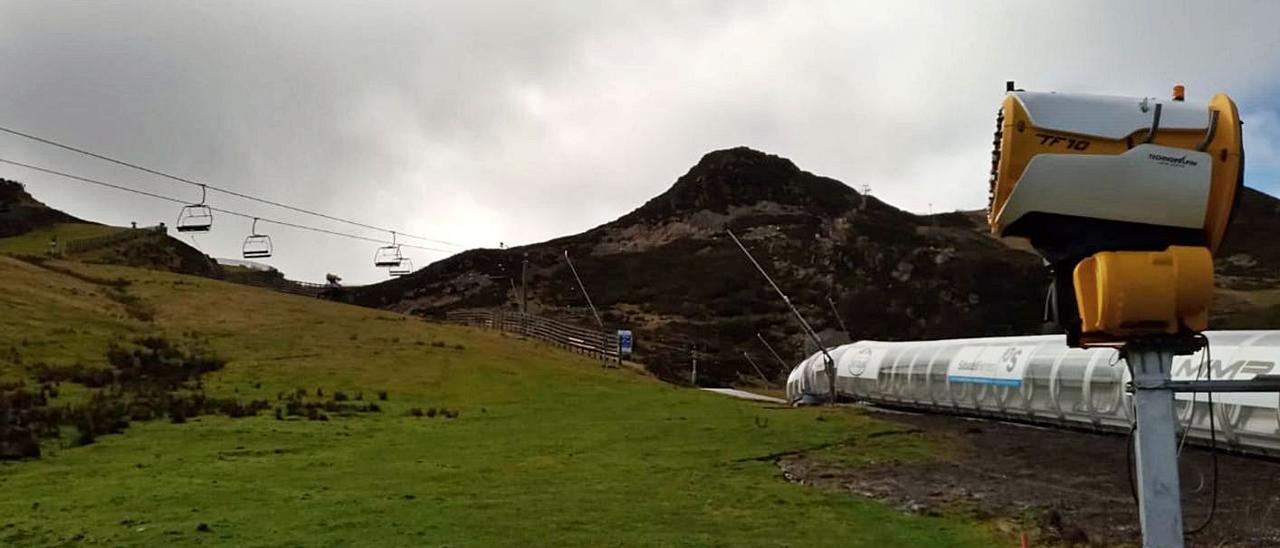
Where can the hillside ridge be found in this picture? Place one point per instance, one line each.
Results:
(668, 271)
(20, 212)
(857, 267)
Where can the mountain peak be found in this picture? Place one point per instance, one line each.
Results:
(741, 157)
(742, 176)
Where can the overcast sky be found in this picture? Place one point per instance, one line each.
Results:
(484, 122)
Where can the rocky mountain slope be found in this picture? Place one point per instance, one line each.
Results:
(1250, 256)
(668, 270)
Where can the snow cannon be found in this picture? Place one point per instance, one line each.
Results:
(1126, 198)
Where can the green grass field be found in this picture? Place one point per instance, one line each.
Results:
(549, 448)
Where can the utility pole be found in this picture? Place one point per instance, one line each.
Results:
(757, 368)
(599, 322)
(524, 288)
(826, 356)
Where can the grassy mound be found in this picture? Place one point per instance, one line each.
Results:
(479, 438)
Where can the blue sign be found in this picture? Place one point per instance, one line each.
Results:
(624, 341)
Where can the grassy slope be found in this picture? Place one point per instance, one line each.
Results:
(549, 448)
(36, 242)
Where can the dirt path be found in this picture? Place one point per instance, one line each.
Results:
(1071, 487)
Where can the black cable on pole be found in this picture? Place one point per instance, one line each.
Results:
(1213, 445)
(1206, 368)
(159, 173)
(219, 210)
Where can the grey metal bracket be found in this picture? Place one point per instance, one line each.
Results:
(1261, 383)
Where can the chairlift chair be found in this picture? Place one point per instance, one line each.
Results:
(256, 246)
(388, 256)
(405, 266)
(196, 217)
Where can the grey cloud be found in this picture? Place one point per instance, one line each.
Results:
(481, 122)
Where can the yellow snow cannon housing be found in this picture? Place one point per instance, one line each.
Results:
(1123, 294)
(1125, 198)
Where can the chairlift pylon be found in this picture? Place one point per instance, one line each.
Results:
(196, 217)
(405, 266)
(256, 246)
(388, 256)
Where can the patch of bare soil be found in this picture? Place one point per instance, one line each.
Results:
(1070, 488)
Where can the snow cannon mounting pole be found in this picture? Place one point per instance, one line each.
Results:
(604, 359)
(826, 356)
(1154, 440)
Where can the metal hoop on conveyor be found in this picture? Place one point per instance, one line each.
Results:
(928, 376)
(1055, 384)
(1117, 392)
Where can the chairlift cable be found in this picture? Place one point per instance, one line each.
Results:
(219, 210)
(212, 187)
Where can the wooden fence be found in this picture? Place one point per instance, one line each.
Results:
(306, 289)
(583, 340)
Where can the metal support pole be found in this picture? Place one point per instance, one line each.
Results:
(604, 360)
(1155, 447)
(766, 344)
(693, 354)
(757, 368)
(836, 311)
(826, 356)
